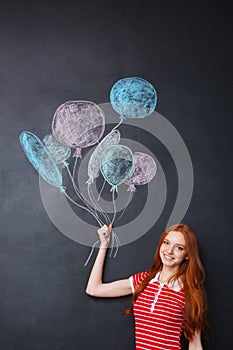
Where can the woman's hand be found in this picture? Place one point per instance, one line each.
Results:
(104, 233)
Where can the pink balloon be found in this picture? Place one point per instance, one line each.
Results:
(144, 171)
(78, 124)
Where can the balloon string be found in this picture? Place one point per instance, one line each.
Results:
(114, 206)
(80, 195)
(111, 244)
(120, 122)
(81, 206)
(118, 244)
(90, 255)
(115, 127)
(101, 190)
(74, 169)
(92, 198)
(114, 238)
(129, 199)
(86, 202)
(78, 192)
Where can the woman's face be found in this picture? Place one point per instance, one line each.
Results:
(173, 251)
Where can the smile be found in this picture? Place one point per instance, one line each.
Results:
(168, 257)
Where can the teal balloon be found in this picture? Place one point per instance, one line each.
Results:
(113, 138)
(60, 153)
(116, 165)
(133, 97)
(41, 159)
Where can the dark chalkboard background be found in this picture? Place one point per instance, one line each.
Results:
(54, 51)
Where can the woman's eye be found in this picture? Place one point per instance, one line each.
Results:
(165, 242)
(179, 248)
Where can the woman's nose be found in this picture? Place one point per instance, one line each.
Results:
(170, 249)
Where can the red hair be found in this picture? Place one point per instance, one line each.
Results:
(192, 275)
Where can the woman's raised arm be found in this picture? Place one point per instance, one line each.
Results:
(95, 286)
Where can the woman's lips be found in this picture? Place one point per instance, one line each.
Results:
(168, 257)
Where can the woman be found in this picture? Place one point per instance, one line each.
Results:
(169, 298)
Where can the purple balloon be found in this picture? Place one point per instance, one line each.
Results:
(144, 171)
(78, 124)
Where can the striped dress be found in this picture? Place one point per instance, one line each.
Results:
(158, 314)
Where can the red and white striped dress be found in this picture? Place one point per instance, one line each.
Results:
(158, 314)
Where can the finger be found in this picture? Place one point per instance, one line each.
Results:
(103, 229)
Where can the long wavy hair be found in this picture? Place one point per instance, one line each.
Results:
(191, 273)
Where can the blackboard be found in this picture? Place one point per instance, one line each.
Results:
(54, 51)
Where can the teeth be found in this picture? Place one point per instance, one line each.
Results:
(168, 257)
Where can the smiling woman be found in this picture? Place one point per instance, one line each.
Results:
(173, 251)
(169, 299)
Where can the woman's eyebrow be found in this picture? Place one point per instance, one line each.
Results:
(180, 244)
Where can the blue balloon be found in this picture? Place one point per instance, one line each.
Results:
(113, 138)
(41, 159)
(116, 164)
(133, 97)
(59, 152)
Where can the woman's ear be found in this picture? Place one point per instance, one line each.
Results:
(186, 258)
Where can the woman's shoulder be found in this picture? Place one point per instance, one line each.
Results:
(137, 278)
(140, 275)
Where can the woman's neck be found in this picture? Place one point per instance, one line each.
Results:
(166, 274)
